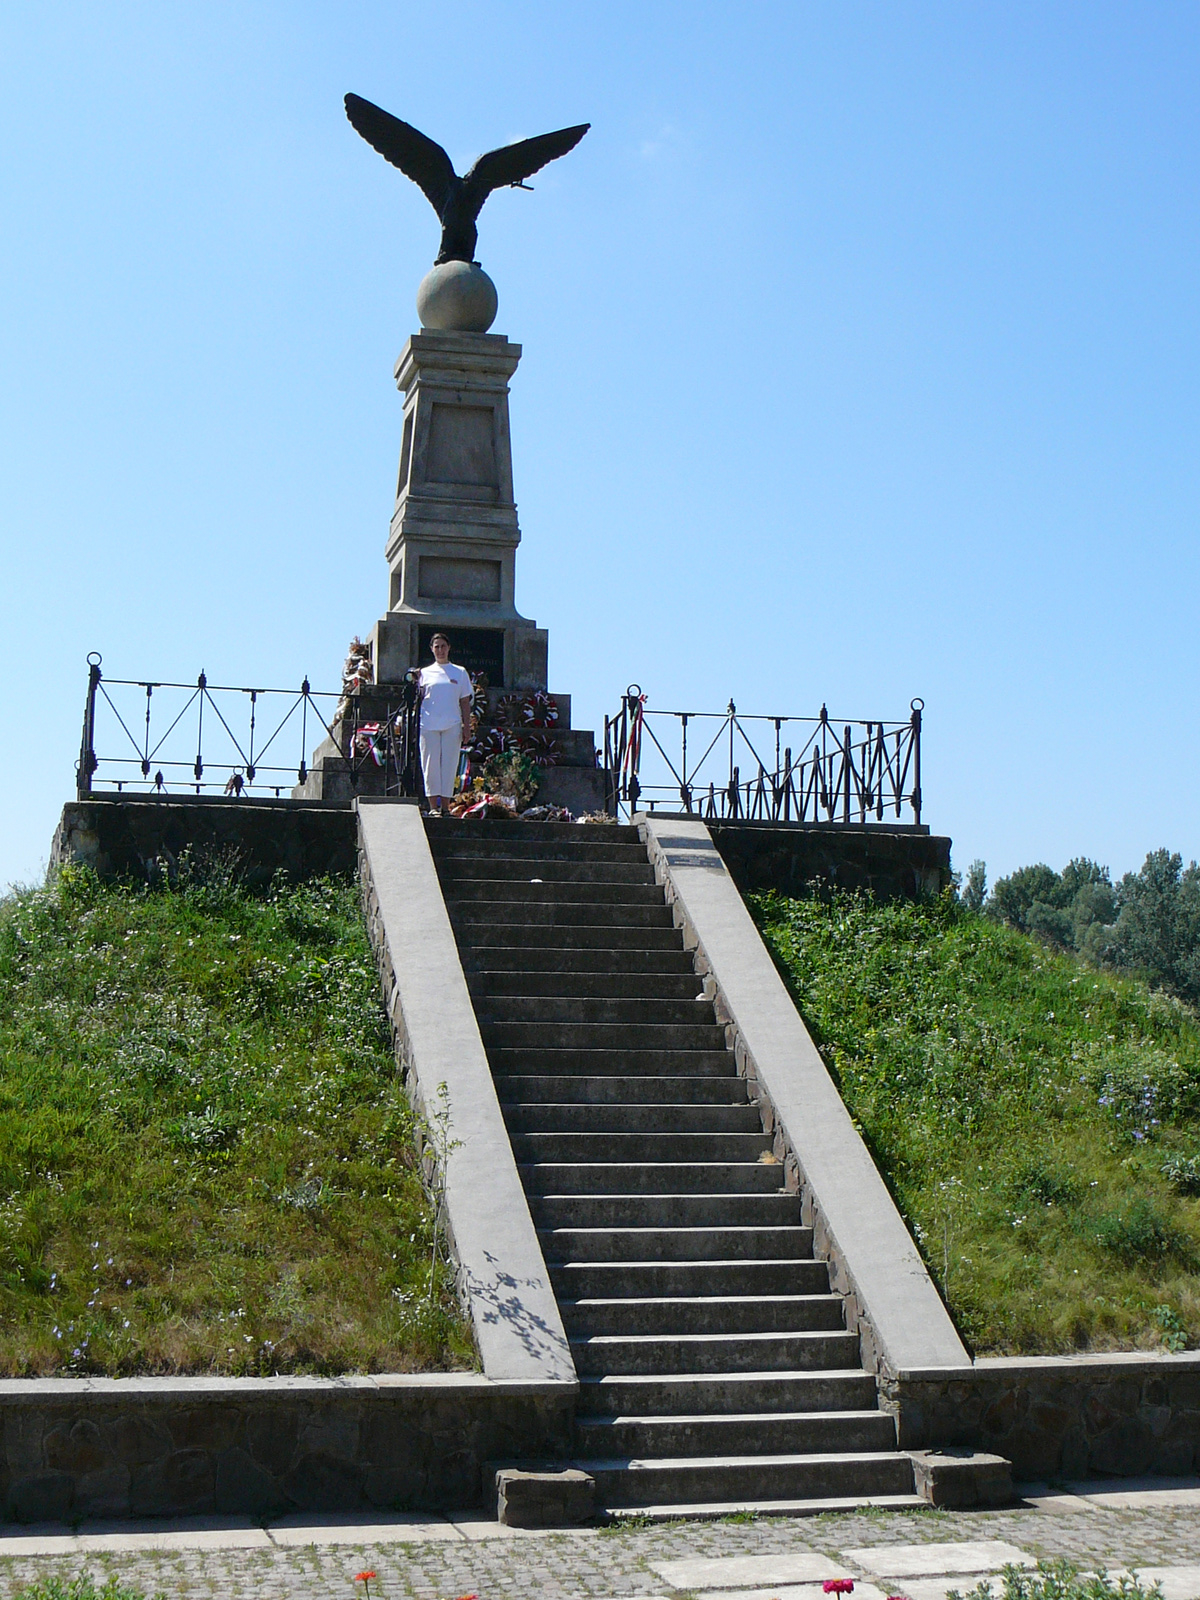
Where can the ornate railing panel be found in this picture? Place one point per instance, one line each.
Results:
(201, 737)
(762, 769)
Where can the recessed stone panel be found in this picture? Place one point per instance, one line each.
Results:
(462, 445)
(453, 578)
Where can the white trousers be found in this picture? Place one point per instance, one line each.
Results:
(440, 749)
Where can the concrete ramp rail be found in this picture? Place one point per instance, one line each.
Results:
(502, 1276)
(874, 1262)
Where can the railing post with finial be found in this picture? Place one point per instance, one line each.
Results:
(917, 707)
(87, 745)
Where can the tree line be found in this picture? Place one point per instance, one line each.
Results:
(1148, 922)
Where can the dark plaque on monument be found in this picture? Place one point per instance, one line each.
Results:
(475, 649)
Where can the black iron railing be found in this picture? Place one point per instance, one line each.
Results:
(201, 737)
(762, 769)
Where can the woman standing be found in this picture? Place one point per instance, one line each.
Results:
(445, 722)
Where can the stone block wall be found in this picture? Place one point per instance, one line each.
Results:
(895, 862)
(124, 836)
(1059, 1417)
(76, 1448)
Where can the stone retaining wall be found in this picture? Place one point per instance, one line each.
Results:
(145, 1447)
(895, 862)
(125, 836)
(1059, 1417)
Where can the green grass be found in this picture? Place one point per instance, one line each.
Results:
(1022, 1107)
(207, 1161)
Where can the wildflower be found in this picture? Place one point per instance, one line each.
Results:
(365, 1579)
(838, 1586)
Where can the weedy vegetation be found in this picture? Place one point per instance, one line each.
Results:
(207, 1160)
(1037, 1119)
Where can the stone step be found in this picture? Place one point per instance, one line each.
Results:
(578, 1280)
(479, 933)
(595, 1063)
(456, 852)
(609, 1036)
(455, 870)
(714, 1352)
(488, 962)
(676, 1244)
(665, 1120)
(601, 900)
(498, 833)
(659, 1148)
(731, 1393)
(776, 1210)
(682, 1479)
(777, 1313)
(719, 1178)
(509, 916)
(641, 1013)
(610, 1090)
(487, 987)
(772, 1433)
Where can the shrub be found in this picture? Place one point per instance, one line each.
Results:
(1139, 1232)
(1060, 1580)
(1183, 1173)
(82, 1588)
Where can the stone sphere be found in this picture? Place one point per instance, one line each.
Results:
(457, 297)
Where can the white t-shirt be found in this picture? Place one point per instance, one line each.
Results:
(442, 690)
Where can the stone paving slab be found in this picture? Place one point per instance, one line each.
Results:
(939, 1588)
(938, 1559)
(406, 1530)
(1178, 1583)
(729, 1572)
(1044, 1498)
(789, 1591)
(1131, 1494)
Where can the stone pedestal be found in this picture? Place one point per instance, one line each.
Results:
(451, 548)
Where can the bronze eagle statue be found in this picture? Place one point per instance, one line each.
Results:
(457, 201)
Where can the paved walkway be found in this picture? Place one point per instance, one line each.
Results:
(1152, 1526)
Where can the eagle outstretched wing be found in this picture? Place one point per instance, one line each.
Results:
(513, 163)
(418, 157)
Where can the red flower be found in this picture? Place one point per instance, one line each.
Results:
(363, 1577)
(838, 1586)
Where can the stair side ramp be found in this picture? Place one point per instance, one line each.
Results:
(502, 1277)
(891, 1299)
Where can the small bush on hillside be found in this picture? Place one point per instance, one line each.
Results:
(1183, 1173)
(1139, 1232)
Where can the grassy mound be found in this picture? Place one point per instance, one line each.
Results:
(207, 1162)
(1038, 1121)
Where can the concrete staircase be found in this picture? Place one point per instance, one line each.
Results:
(716, 1372)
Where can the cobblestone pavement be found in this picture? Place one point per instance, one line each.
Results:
(447, 1561)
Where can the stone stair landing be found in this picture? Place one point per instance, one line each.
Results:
(715, 1367)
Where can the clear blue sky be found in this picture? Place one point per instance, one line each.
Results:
(860, 363)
